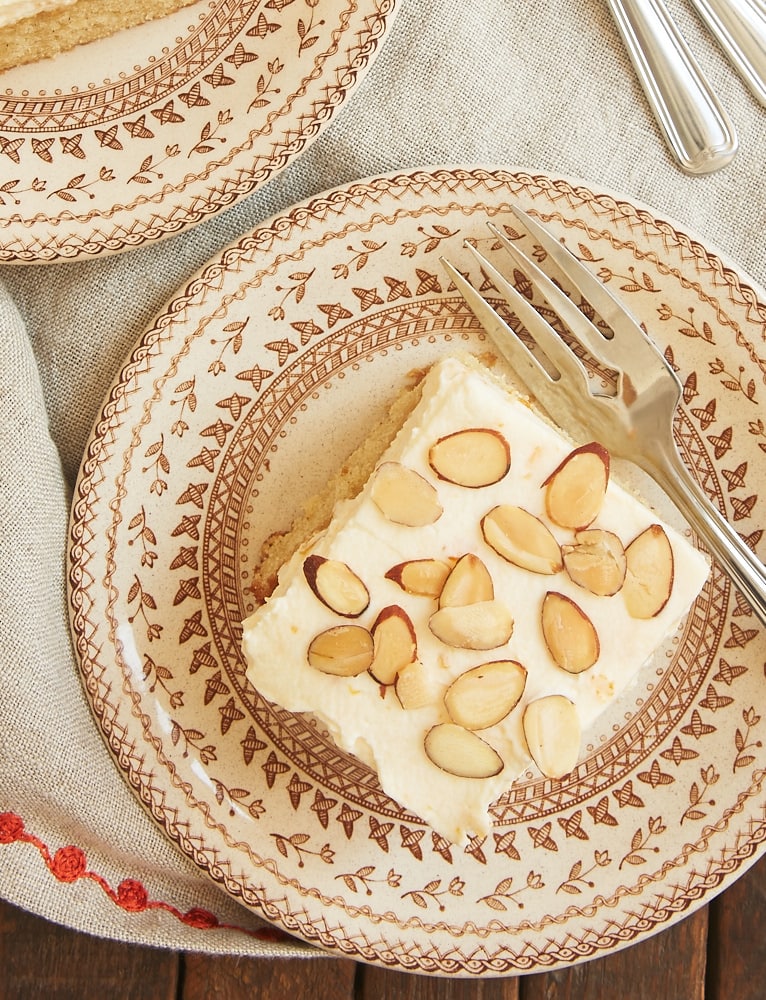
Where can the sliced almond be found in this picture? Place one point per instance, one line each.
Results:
(336, 585)
(468, 583)
(461, 752)
(485, 625)
(476, 457)
(575, 490)
(569, 634)
(484, 695)
(343, 650)
(421, 577)
(596, 561)
(552, 732)
(650, 571)
(394, 644)
(404, 496)
(521, 539)
(416, 686)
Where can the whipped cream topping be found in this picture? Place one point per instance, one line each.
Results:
(367, 720)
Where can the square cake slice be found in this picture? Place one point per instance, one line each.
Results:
(488, 592)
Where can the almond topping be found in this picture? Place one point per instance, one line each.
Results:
(404, 496)
(569, 634)
(484, 625)
(596, 561)
(552, 732)
(344, 650)
(460, 752)
(416, 687)
(484, 695)
(336, 585)
(576, 489)
(394, 644)
(649, 577)
(420, 577)
(468, 583)
(521, 539)
(474, 457)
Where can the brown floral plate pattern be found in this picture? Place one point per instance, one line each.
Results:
(247, 393)
(144, 134)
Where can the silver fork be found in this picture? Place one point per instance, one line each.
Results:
(635, 422)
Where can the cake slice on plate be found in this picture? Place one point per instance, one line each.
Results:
(31, 30)
(475, 606)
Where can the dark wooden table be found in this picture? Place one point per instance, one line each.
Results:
(718, 953)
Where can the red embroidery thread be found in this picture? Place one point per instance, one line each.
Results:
(69, 864)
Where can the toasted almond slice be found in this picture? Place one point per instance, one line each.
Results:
(343, 650)
(416, 686)
(484, 695)
(460, 752)
(394, 644)
(468, 583)
(336, 585)
(404, 496)
(521, 539)
(475, 457)
(569, 634)
(485, 625)
(650, 572)
(575, 490)
(421, 577)
(552, 732)
(596, 561)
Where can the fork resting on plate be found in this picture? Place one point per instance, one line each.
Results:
(635, 422)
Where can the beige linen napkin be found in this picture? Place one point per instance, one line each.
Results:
(544, 87)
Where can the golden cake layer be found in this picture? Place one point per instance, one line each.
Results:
(31, 30)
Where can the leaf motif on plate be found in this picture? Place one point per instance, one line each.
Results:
(655, 776)
(572, 825)
(504, 844)
(230, 713)
(192, 627)
(274, 767)
(600, 812)
(347, 817)
(627, 797)
(187, 590)
(250, 745)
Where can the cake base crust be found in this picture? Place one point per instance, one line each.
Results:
(51, 32)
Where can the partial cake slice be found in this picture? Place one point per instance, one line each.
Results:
(31, 30)
(475, 607)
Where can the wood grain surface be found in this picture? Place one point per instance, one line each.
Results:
(717, 953)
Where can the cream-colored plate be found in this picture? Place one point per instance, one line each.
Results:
(242, 399)
(144, 134)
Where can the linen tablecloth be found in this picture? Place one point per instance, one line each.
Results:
(544, 87)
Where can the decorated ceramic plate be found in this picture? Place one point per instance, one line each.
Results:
(239, 403)
(144, 134)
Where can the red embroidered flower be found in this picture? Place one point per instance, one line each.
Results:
(131, 895)
(68, 864)
(11, 828)
(202, 919)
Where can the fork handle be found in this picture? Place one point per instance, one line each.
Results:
(740, 27)
(695, 125)
(740, 563)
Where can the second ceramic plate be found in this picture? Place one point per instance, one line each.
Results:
(138, 136)
(247, 393)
